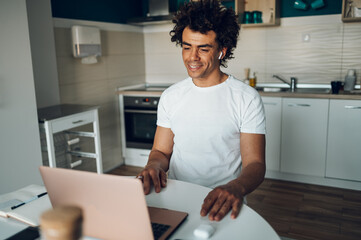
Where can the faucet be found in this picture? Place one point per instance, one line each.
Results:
(292, 83)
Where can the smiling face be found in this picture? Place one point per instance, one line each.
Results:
(200, 54)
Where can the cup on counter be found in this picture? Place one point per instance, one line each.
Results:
(336, 86)
(247, 17)
(257, 16)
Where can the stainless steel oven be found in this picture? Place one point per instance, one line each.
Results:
(138, 116)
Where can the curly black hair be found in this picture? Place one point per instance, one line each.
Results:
(204, 16)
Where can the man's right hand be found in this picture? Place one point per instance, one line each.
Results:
(153, 174)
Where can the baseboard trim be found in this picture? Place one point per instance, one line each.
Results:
(329, 182)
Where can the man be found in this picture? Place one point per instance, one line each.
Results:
(210, 126)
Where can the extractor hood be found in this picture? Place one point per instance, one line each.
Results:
(158, 13)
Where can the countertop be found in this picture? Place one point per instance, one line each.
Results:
(157, 90)
(341, 95)
(62, 110)
(139, 93)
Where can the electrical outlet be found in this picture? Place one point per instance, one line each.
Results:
(306, 37)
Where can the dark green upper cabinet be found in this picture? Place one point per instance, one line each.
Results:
(331, 7)
(119, 11)
(113, 11)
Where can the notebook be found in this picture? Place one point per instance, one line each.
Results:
(114, 207)
(25, 204)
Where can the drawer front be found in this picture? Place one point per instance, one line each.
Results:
(72, 121)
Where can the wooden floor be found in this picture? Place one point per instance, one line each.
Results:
(302, 211)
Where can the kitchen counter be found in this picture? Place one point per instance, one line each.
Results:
(139, 93)
(341, 95)
(157, 90)
(63, 110)
(264, 94)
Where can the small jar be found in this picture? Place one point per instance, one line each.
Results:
(253, 80)
(62, 223)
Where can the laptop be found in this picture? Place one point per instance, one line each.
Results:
(114, 207)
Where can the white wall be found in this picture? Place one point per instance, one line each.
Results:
(43, 52)
(20, 153)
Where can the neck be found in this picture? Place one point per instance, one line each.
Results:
(212, 80)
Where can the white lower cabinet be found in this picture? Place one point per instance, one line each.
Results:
(273, 110)
(304, 136)
(344, 140)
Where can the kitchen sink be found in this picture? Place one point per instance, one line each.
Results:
(272, 89)
(297, 90)
(314, 90)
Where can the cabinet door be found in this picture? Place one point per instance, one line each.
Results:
(344, 140)
(273, 108)
(304, 136)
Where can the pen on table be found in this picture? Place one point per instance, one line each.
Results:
(32, 199)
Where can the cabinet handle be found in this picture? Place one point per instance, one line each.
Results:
(270, 103)
(299, 105)
(75, 164)
(79, 121)
(352, 107)
(73, 141)
(140, 111)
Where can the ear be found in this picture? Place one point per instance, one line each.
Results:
(222, 53)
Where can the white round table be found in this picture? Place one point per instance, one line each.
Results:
(187, 197)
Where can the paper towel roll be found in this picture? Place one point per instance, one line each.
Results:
(89, 60)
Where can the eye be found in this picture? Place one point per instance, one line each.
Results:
(186, 48)
(204, 50)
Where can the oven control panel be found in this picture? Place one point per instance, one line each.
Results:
(143, 102)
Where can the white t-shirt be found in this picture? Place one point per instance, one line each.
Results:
(207, 123)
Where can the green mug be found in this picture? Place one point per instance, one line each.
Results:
(257, 16)
(299, 4)
(317, 4)
(247, 17)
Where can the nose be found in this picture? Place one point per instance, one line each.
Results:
(194, 55)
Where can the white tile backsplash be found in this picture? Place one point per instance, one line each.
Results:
(291, 37)
(333, 48)
(252, 39)
(125, 65)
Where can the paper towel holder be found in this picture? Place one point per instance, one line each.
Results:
(86, 43)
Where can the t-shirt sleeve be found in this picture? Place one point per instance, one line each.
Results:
(162, 114)
(253, 120)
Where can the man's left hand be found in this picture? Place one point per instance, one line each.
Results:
(221, 200)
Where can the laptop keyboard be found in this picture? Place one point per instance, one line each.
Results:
(159, 229)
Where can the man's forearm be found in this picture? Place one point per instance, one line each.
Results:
(158, 159)
(250, 178)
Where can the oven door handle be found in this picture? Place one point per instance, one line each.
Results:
(140, 111)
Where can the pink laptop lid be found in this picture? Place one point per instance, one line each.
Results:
(114, 206)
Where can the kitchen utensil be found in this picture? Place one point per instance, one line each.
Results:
(350, 80)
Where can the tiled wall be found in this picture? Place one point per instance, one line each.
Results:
(121, 64)
(333, 48)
